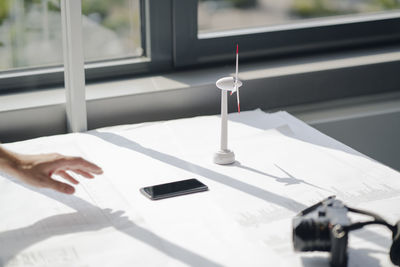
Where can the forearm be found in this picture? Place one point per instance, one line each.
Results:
(9, 161)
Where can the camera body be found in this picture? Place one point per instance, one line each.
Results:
(321, 228)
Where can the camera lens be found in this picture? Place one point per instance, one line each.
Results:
(311, 235)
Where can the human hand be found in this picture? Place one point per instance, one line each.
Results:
(38, 170)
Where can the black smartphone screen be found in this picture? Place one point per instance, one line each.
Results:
(173, 189)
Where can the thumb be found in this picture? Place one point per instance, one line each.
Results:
(59, 186)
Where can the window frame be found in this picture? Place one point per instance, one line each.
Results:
(156, 30)
(316, 36)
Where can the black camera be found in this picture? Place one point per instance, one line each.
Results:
(321, 227)
(325, 227)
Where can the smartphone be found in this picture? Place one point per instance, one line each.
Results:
(173, 189)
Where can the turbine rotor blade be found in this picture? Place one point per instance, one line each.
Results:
(238, 100)
(237, 62)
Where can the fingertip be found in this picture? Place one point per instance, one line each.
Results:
(97, 171)
(93, 168)
(65, 188)
(69, 190)
(85, 174)
(60, 186)
(88, 175)
(96, 168)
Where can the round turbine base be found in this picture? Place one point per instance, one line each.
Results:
(224, 157)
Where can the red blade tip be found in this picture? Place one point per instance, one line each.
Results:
(237, 49)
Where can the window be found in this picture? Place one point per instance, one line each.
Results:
(127, 37)
(303, 26)
(116, 39)
(30, 32)
(220, 15)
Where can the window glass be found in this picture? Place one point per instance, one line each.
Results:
(30, 32)
(111, 29)
(219, 15)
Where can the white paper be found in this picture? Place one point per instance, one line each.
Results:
(283, 166)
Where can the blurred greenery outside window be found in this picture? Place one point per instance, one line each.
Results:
(220, 15)
(30, 32)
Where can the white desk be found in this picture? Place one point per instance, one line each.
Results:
(282, 166)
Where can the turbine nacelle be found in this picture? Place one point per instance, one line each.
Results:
(229, 84)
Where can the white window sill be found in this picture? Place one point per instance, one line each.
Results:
(304, 86)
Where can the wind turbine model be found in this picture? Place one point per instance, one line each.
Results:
(232, 84)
